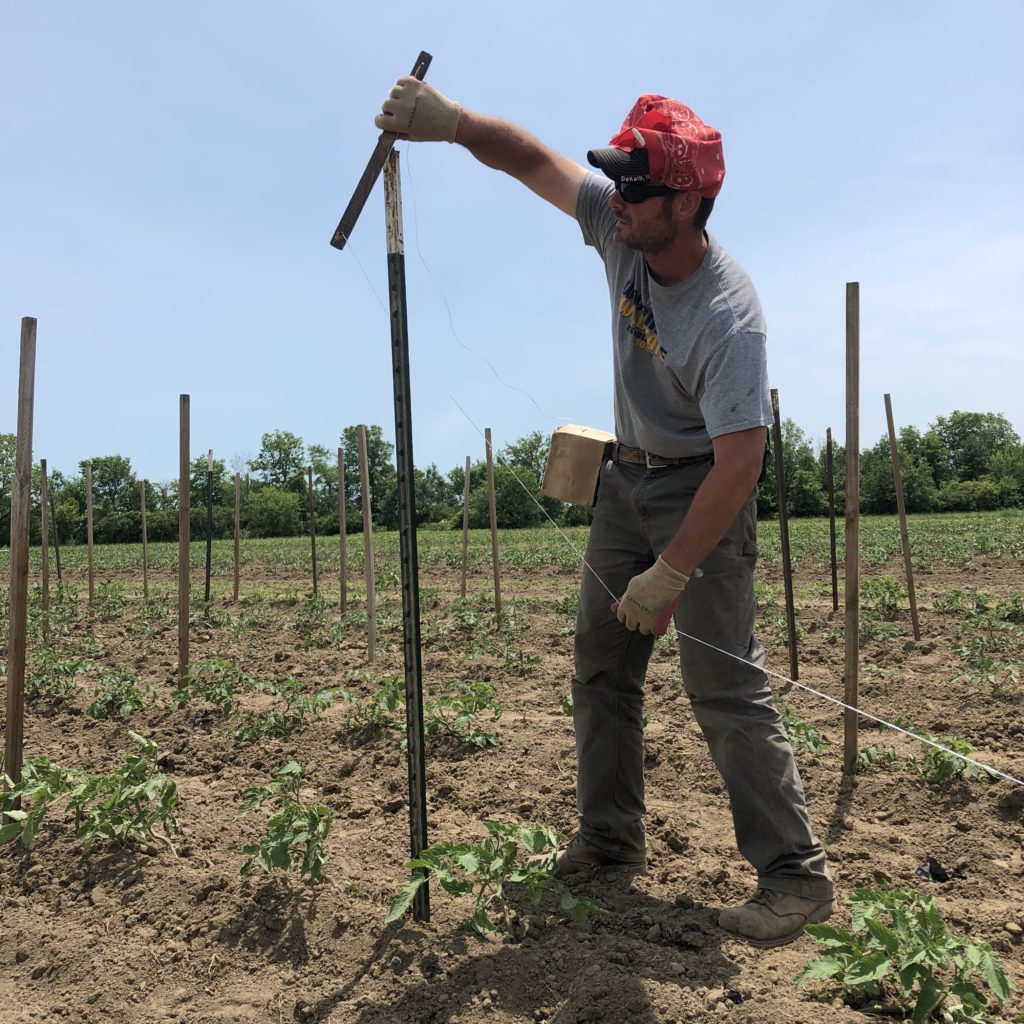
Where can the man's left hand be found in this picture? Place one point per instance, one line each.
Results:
(651, 598)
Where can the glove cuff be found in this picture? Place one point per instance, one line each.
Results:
(671, 576)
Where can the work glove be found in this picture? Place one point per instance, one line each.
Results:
(419, 112)
(651, 599)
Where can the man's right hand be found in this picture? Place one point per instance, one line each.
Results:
(417, 111)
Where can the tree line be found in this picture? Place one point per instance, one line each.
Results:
(963, 462)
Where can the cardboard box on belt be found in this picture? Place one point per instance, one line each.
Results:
(574, 463)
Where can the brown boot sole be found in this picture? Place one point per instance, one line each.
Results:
(817, 917)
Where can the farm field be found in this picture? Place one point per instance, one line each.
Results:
(169, 929)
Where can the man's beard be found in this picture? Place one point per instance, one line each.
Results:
(656, 236)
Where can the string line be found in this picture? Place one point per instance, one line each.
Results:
(788, 683)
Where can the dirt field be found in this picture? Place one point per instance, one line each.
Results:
(151, 934)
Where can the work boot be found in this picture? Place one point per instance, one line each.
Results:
(578, 857)
(771, 918)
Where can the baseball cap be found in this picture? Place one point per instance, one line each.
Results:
(663, 141)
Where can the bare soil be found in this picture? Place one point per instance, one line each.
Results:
(150, 934)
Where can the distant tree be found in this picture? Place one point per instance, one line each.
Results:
(383, 476)
(324, 463)
(805, 495)
(935, 453)
(280, 460)
(223, 484)
(8, 446)
(531, 453)
(878, 489)
(968, 496)
(528, 452)
(972, 438)
(114, 487)
(273, 512)
(517, 500)
(1006, 469)
(435, 499)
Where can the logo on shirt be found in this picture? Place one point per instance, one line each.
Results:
(640, 322)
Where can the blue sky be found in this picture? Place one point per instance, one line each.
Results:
(171, 175)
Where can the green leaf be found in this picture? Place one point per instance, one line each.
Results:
(830, 935)
(481, 923)
(992, 971)
(469, 862)
(8, 833)
(403, 901)
(932, 994)
(818, 970)
(872, 967)
(884, 936)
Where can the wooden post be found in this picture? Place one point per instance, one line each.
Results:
(184, 535)
(88, 526)
(493, 510)
(465, 529)
(368, 568)
(852, 557)
(44, 536)
(209, 523)
(787, 564)
(311, 507)
(21, 510)
(56, 539)
(145, 541)
(901, 508)
(238, 530)
(830, 478)
(342, 529)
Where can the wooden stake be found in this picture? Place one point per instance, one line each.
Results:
(830, 478)
(238, 530)
(787, 564)
(901, 508)
(21, 510)
(368, 567)
(311, 506)
(852, 558)
(44, 536)
(145, 541)
(56, 539)
(465, 530)
(342, 529)
(493, 510)
(209, 523)
(184, 535)
(88, 526)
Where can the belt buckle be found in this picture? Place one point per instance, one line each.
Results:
(647, 461)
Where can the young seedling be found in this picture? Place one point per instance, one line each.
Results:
(454, 713)
(55, 677)
(119, 694)
(899, 951)
(285, 719)
(296, 834)
(487, 870)
(939, 766)
(801, 734)
(124, 806)
(383, 709)
(216, 681)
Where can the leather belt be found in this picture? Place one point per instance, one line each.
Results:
(624, 453)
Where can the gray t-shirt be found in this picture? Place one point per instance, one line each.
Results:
(689, 359)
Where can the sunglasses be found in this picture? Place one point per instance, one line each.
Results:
(639, 191)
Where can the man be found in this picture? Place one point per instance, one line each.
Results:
(676, 502)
